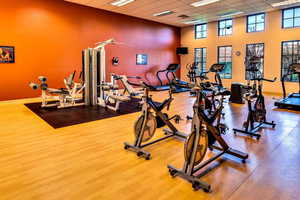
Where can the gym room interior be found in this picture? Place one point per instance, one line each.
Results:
(146, 99)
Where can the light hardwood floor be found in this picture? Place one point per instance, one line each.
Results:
(87, 161)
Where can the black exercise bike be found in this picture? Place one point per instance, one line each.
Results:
(205, 132)
(257, 113)
(152, 117)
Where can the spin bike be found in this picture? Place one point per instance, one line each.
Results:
(211, 90)
(257, 113)
(145, 126)
(212, 95)
(192, 72)
(205, 132)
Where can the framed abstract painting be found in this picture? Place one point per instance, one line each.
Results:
(7, 54)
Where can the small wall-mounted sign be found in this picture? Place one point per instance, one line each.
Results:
(141, 59)
(7, 54)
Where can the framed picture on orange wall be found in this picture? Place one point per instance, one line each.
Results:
(141, 59)
(7, 54)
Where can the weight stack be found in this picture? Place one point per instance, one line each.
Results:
(236, 93)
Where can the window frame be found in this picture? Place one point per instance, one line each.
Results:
(263, 63)
(218, 53)
(225, 27)
(247, 22)
(281, 67)
(195, 31)
(282, 17)
(203, 67)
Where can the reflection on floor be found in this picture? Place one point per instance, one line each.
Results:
(87, 161)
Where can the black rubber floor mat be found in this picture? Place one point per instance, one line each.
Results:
(59, 118)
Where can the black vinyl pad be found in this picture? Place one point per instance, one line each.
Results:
(59, 118)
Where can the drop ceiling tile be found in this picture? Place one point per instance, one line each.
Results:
(146, 8)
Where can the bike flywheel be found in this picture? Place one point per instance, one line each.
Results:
(202, 146)
(149, 129)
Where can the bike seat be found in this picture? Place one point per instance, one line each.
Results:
(158, 105)
(207, 92)
(225, 93)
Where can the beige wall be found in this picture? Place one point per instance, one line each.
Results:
(271, 37)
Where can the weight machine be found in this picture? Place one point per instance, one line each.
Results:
(69, 96)
(98, 91)
(128, 86)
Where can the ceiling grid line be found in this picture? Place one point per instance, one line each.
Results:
(146, 9)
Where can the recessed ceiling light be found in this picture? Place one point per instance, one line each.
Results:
(164, 13)
(203, 3)
(285, 3)
(195, 21)
(231, 14)
(121, 2)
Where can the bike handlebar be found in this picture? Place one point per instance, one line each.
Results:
(263, 79)
(135, 77)
(269, 80)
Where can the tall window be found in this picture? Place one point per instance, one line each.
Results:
(200, 59)
(254, 58)
(225, 57)
(291, 17)
(201, 31)
(256, 23)
(290, 54)
(225, 27)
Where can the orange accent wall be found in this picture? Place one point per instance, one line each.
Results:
(49, 36)
(271, 37)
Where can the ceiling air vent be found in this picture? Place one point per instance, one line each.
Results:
(183, 16)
